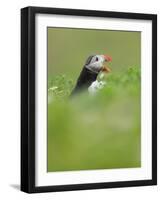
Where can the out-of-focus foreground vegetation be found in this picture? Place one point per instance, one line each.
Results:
(95, 132)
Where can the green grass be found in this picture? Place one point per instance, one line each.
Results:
(101, 131)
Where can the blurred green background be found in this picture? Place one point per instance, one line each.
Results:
(100, 131)
(69, 48)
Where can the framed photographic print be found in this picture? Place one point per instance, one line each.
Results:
(88, 99)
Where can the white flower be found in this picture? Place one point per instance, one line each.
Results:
(53, 88)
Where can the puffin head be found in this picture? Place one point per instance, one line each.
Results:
(95, 63)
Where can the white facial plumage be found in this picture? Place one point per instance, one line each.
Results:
(96, 63)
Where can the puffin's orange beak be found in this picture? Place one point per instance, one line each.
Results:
(106, 68)
(107, 58)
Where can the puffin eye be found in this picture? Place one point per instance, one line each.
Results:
(96, 58)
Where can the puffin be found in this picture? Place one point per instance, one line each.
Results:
(88, 75)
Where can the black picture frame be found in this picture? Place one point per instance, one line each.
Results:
(28, 98)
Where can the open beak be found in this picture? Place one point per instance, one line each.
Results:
(106, 68)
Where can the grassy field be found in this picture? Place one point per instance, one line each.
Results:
(95, 132)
